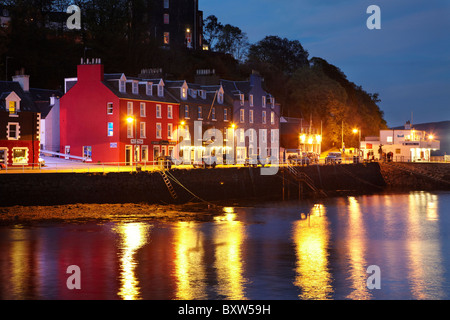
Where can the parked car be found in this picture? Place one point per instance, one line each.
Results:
(255, 162)
(333, 158)
(41, 162)
(313, 157)
(299, 160)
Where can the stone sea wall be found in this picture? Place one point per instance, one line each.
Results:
(217, 184)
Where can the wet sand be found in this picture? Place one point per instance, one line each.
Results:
(129, 211)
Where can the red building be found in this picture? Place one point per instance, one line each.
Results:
(105, 116)
(19, 123)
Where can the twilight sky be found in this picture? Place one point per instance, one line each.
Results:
(407, 61)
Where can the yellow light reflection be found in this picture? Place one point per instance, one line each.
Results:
(356, 248)
(133, 237)
(20, 269)
(423, 251)
(189, 265)
(312, 266)
(229, 236)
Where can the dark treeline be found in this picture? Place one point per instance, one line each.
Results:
(117, 32)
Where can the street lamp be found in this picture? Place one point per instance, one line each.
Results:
(132, 120)
(355, 131)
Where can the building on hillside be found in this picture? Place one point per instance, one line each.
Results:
(19, 123)
(105, 116)
(176, 23)
(256, 119)
(403, 145)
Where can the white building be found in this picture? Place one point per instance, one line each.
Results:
(405, 145)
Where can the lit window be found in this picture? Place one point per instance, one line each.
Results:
(264, 120)
(110, 129)
(250, 116)
(242, 116)
(169, 112)
(251, 100)
(242, 99)
(158, 111)
(186, 112)
(12, 108)
(390, 139)
(184, 93)
(272, 117)
(149, 88)
(219, 97)
(143, 110)
(20, 155)
(166, 4)
(109, 108)
(264, 101)
(158, 131)
(166, 38)
(142, 130)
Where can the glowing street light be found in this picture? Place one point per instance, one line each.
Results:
(355, 131)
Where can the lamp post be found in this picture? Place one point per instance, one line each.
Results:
(359, 144)
(132, 121)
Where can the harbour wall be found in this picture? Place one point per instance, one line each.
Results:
(230, 184)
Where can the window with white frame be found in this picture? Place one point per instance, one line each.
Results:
(186, 112)
(135, 87)
(213, 113)
(169, 112)
(13, 132)
(251, 100)
(143, 108)
(169, 131)
(219, 97)
(110, 129)
(264, 101)
(109, 108)
(158, 111)
(264, 135)
(183, 93)
(272, 117)
(264, 117)
(160, 90)
(166, 18)
(200, 113)
(241, 115)
(130, 130)
(20, 155)
(129, 108)
(12, 108)
(250, 116)
(225, 114)
(158, 131)
(122, 86)
(241, 97)
(142, 130)
(149, 88)
(144, 153)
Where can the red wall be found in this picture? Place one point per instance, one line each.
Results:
(84, 117)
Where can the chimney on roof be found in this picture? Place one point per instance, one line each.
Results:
(22, 79)
(206, 77)
(90, 70)
(255, 79)
(151, 73)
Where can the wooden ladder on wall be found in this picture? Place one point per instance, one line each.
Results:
(168, 184)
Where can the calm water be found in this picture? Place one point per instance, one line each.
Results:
(266, 252)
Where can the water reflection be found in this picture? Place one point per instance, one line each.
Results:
(190, 270)
(311, 238)
(356, 247)
(229, 236)
(21, 269)
(424, 247)
(133, 237)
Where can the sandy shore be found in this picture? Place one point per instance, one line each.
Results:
(185, 212)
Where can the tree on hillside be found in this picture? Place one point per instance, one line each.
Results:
(211, 31)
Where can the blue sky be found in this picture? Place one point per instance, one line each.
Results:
(407, 61)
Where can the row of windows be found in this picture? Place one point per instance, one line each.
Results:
(142, 130)
(142, 110)
(251, 116)
(200, 113)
